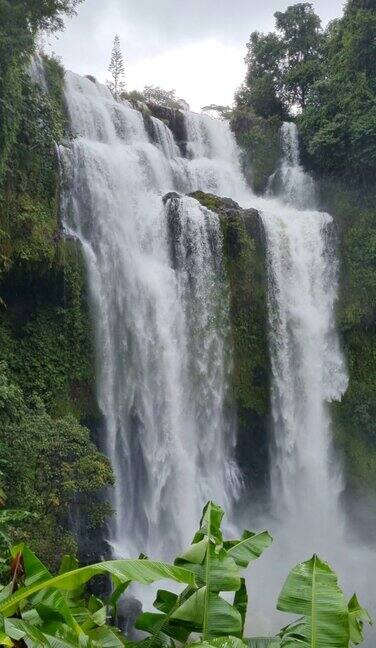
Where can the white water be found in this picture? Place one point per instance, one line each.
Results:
(308, 369)
(161, 318)
(290, 182)
(308, 372)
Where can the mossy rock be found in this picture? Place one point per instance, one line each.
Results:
(245, 268)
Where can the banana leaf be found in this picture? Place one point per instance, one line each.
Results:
(311, 590)
(142, 571)
(358, 615)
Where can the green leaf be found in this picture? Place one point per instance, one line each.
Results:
(263, 642)
(165, 601)
(357, 617)
(18, 629)
(219, 571)
(210, 524)
(106, 637)
(67, 564)
(157, 623)
(241, 602)
(311, 590)
(141, 571)
(206, 610)
(220, 642)
(249, 548)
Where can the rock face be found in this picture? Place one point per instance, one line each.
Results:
(244, 265)
(174, 119)
(230, 211)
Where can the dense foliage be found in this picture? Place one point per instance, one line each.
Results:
(157, 96)
(38, 609)
(52, 474)
(20, 21)
(339, 123)
(326, 79)
(282, 65)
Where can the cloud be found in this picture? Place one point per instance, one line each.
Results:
(194, 46)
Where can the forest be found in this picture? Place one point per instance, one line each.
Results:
(148, 363)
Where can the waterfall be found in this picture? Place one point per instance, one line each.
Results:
(160, 307)
(308, 372)
(290, 182)
(308, 369)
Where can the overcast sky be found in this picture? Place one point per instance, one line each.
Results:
(196, 47)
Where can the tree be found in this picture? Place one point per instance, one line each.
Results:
(40, 609)
(263, 86)
(338, 124)
(300, 30)
(116, 67)
(283, 65)
(223, 112)
(167, 98)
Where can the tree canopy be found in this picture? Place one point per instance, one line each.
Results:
(325, 79)
(282, 65)
(339, 123)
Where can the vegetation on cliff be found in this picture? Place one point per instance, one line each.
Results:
(244, 260)
(50, 467)
(326, 81)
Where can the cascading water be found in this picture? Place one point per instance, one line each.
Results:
(308, 372)
(290, 182)
(308, 369)
(161, 317)
(160, 308)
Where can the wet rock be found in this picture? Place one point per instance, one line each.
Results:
(175, 121)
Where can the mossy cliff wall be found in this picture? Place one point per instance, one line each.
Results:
(354, 211)
(49, 419)
(244, 260)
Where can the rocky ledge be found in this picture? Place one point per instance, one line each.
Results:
(245, 271)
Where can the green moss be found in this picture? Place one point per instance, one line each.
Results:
(259, 141)
(355, 416)
(245, 269)
(244, 264)
(47, 401)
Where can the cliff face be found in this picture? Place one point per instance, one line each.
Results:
(354, 211)
(49, 462)
(244, 260)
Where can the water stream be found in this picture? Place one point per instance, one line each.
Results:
(160, 306)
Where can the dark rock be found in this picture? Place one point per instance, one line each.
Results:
(171, 194)
(175, 121)
(129, 608)
(229, 209)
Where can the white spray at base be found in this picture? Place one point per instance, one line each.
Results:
(160, 310)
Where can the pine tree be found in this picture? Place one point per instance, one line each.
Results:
(116, 67)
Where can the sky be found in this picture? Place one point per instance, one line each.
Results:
(196, 47)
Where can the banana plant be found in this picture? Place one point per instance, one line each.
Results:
(327, 621)
(38, 609)
(217, 565)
